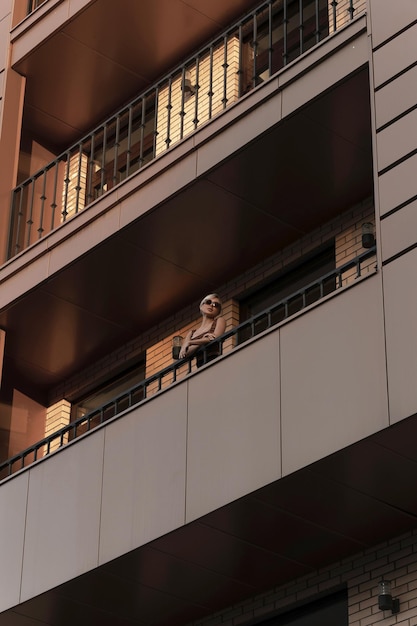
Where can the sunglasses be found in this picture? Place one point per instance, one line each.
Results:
(216, 305)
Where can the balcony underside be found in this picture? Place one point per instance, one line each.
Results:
(301, 173)
(331, 510)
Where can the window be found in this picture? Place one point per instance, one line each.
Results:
(329, 611)
(105, 394)
(292, 290)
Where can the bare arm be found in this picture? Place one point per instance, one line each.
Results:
(190, 345)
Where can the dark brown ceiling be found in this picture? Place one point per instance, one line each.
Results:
(118, 49)
(298, 175)
(333, 509)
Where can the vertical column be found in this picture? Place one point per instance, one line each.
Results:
(11, 107)
(393, 36)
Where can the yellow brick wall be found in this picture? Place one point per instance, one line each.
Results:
(343, 15)
(348, 246)
(74, 188)
(57, 416)
(177, 111)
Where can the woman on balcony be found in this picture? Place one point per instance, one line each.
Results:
(212, 326)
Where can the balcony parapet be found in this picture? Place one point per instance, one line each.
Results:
(260, 323)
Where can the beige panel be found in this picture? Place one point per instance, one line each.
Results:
(399, 231)
(400, 297)
(395, 56)
(63, 516)
(396, 97)
(397, 140)
(4, 40)
(25, 280)
(390, 16)
(38, 27)
(323, 76)
(398, 185)
(333, 384)
(233, 427)
(144, 486)
(13, 496)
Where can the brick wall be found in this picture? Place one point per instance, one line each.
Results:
(157, 342)
(395, 560)
(215, 85)
(342, 12)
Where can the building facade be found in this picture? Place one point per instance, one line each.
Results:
(153, 152)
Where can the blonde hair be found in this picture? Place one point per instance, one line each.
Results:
(212, 295)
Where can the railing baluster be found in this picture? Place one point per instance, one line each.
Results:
(182, 110)
(225, 68)
(334, 11)
(29, 221)
(142, 131)
(129, 141)
(116, 151)
(210, 91)
(64, 211)
(317, 12)
(42, 209)
(89, 191)
(103, 158)
(197, 92)
(78, 185)
(54, 204)
(301, 25)
(270, 45)
(255, 50)
(285, 29)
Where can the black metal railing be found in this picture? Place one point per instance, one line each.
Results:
(242, 333)
(34, 4)
(239, 59)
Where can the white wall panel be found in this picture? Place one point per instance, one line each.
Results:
(395, 56)
(13, 497)
(144, 474)
(389, 17)
(233, 427)
(399, 231)
(400, 295)
(398, 185)
(333, 376)
(387, 103)
(63, 516)
(397, 140)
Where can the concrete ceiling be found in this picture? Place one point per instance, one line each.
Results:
(329, 511)
(297, 176)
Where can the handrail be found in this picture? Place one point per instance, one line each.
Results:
(264, 320)
(215, 77)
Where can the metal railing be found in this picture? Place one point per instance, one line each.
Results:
(266, 319)
(231, 65)
(34, 4)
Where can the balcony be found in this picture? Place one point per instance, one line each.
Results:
(266, 320)
(211, 80)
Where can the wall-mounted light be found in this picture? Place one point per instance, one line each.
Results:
(385, 600)
(368, 237)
